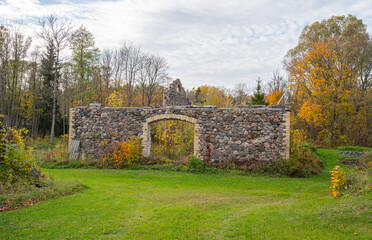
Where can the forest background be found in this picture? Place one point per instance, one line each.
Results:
(327, 80)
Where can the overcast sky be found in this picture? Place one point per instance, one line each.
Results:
(212, 42)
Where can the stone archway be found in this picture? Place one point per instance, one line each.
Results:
(146, 131)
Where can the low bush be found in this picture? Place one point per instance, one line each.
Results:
(308, 145)
(195, 165)
(357, 183)
(119, 154)
(354, 149)
(21, 181)
(354, 182)
(63, 162)
(29, 194)
(126, 153)
(302, 161)
(358, 180)
(365, 162)
(337, 181)
(17, 166)
(252, 166)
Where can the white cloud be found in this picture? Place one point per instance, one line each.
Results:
(205, 42)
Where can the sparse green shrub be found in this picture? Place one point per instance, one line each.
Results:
(154, 160)
(65, 162)
(357, 183)
(290, 167)
(358, 180)
(305, 144)
(302, 161)
(254, 166)
(26, 195)
(353, 148)
(195, 165)
(365, 162)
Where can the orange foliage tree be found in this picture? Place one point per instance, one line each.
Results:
(274, 97)
(323, 81)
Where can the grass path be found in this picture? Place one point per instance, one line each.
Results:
(122, 204)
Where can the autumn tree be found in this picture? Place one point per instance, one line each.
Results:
(214, 96)
(345, 27)
(277, 89)
(328, 72)
(85, 59)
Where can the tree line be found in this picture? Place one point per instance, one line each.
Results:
(327, 81)
(39, 86)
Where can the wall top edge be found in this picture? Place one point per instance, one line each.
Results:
(192, 107)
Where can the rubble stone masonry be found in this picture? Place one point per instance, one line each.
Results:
(221, 134)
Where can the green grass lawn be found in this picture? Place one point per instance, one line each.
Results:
(147, 204)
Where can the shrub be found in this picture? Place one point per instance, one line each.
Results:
(29, 195)
(127, 152)
(252, 165)
(308, 145)
(63, 162)
(357, 183)
(302, 161)
(21, 183)
(358, 180)
(172, 139)
(118, 154)
(195, 165)
(290, 167)
(17, 167)
(337, 181)
(365, 162)
(353, 148)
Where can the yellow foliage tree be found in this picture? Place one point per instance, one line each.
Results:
(117, 99)
(211, 95)
(172, 138)
(323, 81)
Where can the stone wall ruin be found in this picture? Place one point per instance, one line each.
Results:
(175, 95)
(221, 134)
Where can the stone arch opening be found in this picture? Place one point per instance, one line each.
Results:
(146, 131)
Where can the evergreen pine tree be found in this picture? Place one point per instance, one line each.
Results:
(47, 75)
(258, 97)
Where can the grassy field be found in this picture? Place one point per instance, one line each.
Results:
(147, 204)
